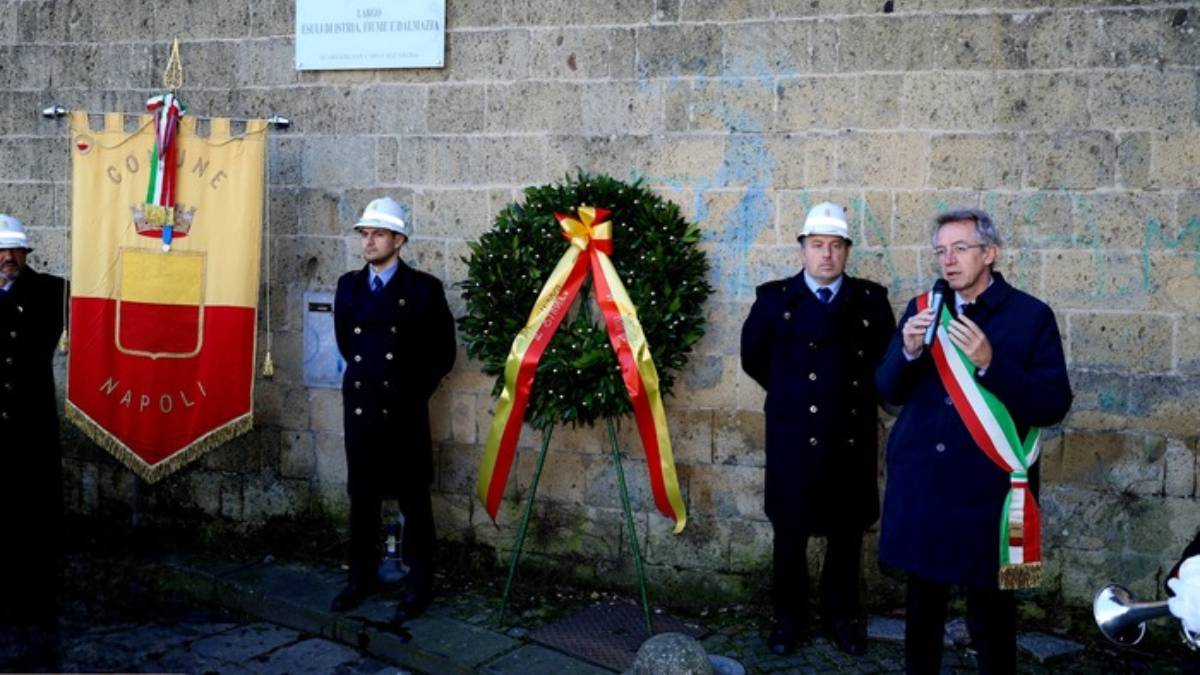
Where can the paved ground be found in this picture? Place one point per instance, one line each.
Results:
(193, 614)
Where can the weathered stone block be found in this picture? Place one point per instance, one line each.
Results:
(975, 161)
(564, 477)
(1070, 159)
(1132, 463)
(578, 531)
(281, 404)
(455, 109)
(566, 53)
(880, 100)
(767, 49)
(534, 106)
(691, 435)
(1174, 158)
(1188, 344)
(915, 212)
(1133, 160)
(489, 55)
(709, 382)
(325, 410)
(1165, 404)
(603, 490)
(948, 101)
(617, 155)
(333, 161)
(817, 103)
(270, 18)
(722, 328)
(539, 12)
(1119, 39)
(678, 50)
(736, 216)
(394, 109)
(882, 160)
(1133, 342)
(990, 41)
(704, 539)
(726, 491)
(739, 437)
(264, 500)
(265, 63)
(331, 461)
(1085, 279)
(298, 454)
(1160, 101)
(458, 467)
(887, 42)
(519, 160)
(1180, 469)
(474, 14)
(1041, 101)
(1033, 220)
(621, 107)
(442, 160)
(198, 20)
(316, 262)
(693, 157)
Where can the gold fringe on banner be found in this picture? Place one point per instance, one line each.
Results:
(1017, 577)
(152, 473)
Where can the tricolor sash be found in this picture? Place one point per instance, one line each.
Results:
(994, 431)
(591, 243)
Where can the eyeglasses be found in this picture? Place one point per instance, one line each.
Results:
(957, 250)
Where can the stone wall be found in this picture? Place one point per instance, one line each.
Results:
(1074, 122)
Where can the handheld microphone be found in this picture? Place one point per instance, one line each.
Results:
(940, 290)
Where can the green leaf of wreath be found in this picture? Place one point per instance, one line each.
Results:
(657, 255)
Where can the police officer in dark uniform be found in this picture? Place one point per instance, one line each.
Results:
(31, 321)
(396, 333)
(813, 342)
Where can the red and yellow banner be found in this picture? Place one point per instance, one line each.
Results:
(162, 343)
(591, 244)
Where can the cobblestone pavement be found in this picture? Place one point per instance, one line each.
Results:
(201, 615)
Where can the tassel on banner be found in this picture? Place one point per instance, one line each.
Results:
(268, 366)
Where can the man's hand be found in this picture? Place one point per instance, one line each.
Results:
(969, 337)
(1186, 603)
(913, 332)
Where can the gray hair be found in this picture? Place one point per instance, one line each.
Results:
(985, 229)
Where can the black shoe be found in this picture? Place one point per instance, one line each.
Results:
(783, 638)
(411, 606)
(849, 636)
(351, 596)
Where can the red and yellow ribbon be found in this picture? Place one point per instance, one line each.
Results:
(591, 244)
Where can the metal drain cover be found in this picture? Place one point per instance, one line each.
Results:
(608, 633)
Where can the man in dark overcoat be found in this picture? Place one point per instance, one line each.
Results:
(31, 321)
(944, 496)
(396, 333)
(813, 341)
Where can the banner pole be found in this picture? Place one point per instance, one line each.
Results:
(520, 543)
(637, 552)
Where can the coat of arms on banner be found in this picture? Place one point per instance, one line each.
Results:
(164, 296)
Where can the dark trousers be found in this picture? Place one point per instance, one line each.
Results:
(417, 544)
(839, 575)
(991, 621)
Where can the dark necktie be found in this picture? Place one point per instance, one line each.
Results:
(825, 295)
(376, 285)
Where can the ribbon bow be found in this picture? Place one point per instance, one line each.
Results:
(590, 235)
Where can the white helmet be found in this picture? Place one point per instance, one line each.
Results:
(12, 233)
(387, 214)
(826, 218)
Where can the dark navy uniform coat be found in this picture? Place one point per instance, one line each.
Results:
(942, 504)
(31, 321)
(398, 345)
(817, 363)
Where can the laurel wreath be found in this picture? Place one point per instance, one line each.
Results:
(657, 255)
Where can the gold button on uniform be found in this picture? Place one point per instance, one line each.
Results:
(787, 315)
(384, 411)
(388, 356)
(357, 358)
(812, 377)
(812, 441)
(358, 384)
(812, 408)
(358, 411)
(401, 301)
(357, 330)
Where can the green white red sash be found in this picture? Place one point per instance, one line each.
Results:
(994, 431)
(160, 193)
